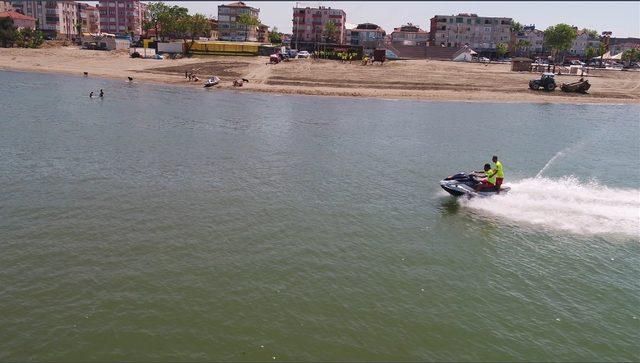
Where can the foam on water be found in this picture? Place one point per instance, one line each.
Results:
(566, 204)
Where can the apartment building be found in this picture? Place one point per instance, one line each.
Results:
(535, 39)
(369, 35)
(228, 27)
(122, 16)
(621, 45)
(481, 33)
(89, 18)
(410, 34)
(56, 19)
(310, 24)
(582, 42)
(5, 5)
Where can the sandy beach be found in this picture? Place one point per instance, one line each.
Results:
(407, 79)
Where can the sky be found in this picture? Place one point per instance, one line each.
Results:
(622, 18)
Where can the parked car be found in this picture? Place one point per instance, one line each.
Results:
(484, 60)
(303, 54)
(292, 53)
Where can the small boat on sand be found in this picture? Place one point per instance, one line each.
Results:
(211, 82)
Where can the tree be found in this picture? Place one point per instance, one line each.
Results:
(591, 33)
(330, 32)
(29, 38)
(514, 29)
(501, 49)
(631, 55)
(590, 53)
(154, 11)
(560, 37)
(7, 32)
(248, 21)
(522, 43)
(190, 27)
(275, 37)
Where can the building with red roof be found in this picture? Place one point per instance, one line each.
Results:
(20, 21)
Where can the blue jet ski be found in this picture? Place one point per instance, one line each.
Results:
(468, 184)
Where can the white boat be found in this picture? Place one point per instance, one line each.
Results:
(211, 82)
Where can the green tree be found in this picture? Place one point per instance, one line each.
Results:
(522, 44)
(631, 55)
(501, 49)
(275, 37)
(7, 32)
(591, 33)
(331, 32)
(248, 21)
(590, 53)
(514, 29)
(154, 12)
(190, 27)
(560, 37)
(29, 38)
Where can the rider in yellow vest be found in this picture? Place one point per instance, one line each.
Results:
(499, 171)
(490, 181)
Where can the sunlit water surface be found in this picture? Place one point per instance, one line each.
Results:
(176, 224)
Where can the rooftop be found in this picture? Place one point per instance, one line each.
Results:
(15, 15)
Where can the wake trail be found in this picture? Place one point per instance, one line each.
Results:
(566, 204)
(558, 154)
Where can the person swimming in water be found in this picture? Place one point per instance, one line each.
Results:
(101, 93)
(91, 94)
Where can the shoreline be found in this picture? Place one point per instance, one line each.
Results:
(434, 81)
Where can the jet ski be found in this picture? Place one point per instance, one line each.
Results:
(467, 184)
(211, 82)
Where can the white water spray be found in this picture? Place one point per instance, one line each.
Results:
(558, 154)
(566, 204)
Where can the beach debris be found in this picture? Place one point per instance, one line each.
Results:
(130, 78)
(239, 82)
(86, 74)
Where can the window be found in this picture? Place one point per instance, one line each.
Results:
(468, 21)
(459, 20)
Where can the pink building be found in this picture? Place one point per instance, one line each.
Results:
(89, 17)
(122, 16)
(55, 18)
(20, 21)
(309, 25)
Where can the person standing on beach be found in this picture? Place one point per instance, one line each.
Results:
(499, 171)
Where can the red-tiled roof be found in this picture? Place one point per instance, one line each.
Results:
(15, 15)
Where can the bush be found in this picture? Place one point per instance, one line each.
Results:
(29, 38)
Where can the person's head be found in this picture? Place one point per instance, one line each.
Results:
(487, 167)
(494, 159)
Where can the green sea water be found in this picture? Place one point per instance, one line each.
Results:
(175, 224)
